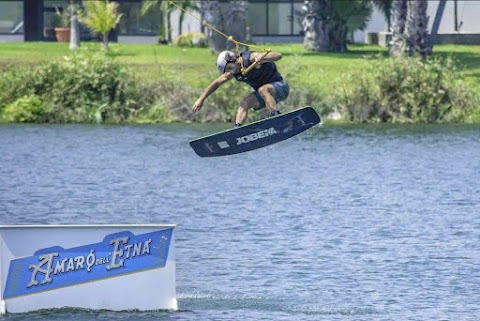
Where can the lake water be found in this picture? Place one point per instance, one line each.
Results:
(338, 223)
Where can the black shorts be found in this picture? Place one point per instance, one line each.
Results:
(282, 90)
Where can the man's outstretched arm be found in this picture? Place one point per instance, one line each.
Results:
(210, 89)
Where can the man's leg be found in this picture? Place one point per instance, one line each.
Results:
(267, 92)
(249, 101)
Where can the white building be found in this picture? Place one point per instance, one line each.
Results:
(466, 23)
(268, 20)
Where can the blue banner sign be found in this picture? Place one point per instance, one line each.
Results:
(119, 253)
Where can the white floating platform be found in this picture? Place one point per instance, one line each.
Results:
(108, 267)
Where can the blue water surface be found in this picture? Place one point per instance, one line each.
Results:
(339, 223)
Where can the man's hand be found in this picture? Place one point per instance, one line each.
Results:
(257, 62)
(198, 105)
(210, 89)
(262, 57)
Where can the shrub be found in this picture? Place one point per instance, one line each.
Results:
(474, 117)
(157, 113)
(28, 109)
(14, 84)
(94, 88)
(88, 85)
(191, 39)
(83, 88)
(405, 90)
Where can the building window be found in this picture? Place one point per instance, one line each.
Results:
(275, 17)
(11, 17)
(256, 18)
(52, 17)
(297, 16)
(134, 23)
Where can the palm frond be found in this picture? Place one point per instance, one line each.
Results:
(354, 14)
(148, 5)
(100, 16)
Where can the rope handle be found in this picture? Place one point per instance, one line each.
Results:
(245, 71)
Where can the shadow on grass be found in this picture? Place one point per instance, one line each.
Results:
(467, 59)
(357, 54)
(474, 75)
(122, 54)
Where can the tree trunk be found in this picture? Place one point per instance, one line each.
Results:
(229, 18)
(399, 17)
(74, 28)
(388, 17)
(409, 28)
(338, 39)
(180, 23)
(236, 24)
(105, 42)
(212, 15)
(316, 31)
(416, 33)
(169, 27)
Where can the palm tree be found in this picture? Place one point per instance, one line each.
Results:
(315, 27)
(101, 17)
(328, 23)
(185, 5)
(236, 22)
(386, 7)
(228, 16)
(399, 17)
(167, 8)
(347, 16)
(409, 28)
(74, 26)
(416, 28)
(213, 15)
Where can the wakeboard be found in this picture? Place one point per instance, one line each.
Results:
(257, 134)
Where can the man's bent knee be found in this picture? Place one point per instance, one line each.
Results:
(249, 101)
(266, 90)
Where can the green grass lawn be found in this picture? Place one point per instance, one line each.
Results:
(196, 66)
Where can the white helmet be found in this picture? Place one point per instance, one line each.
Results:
(223, 58)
